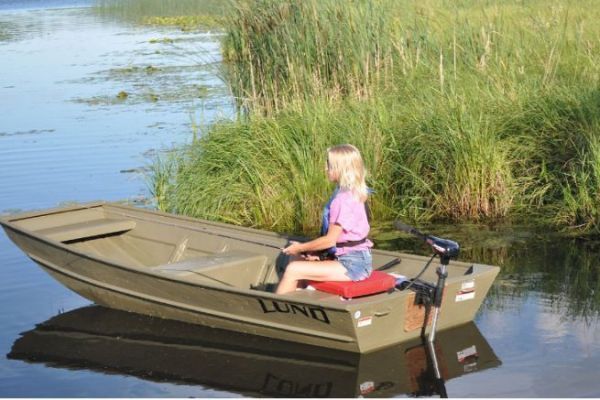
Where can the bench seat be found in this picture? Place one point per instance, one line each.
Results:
(87, 229)
(225, 259)
(234, 268)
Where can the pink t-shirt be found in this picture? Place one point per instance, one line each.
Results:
(349, 213)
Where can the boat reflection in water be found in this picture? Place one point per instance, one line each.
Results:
(106, 340)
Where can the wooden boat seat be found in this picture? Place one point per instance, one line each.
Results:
(234, 267)
(87, 229)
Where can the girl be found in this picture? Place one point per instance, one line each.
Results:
(344, 231)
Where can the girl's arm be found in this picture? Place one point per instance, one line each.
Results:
(320, 243)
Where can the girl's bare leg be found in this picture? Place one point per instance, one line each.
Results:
(310, 270)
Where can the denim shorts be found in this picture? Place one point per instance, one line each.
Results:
(358, 264)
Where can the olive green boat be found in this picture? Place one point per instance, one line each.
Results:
(222, 276)
(111, 341)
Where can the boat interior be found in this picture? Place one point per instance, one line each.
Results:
(184, 248)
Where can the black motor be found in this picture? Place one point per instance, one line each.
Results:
(445, 248)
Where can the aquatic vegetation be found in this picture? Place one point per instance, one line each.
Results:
(29, 132)
(280, 53)
(162, 40)
(159, 173)
(151, 83)
(186, 23)
(149, 69)
(184, 14)
(8, 31)
(184, 93)
(465, 111)
(268, 172)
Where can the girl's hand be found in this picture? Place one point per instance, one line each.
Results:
(310, 257)
(293, 249)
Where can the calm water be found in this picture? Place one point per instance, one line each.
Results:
(18, 5)
(65, 135)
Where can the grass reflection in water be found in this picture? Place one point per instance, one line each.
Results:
(563, 271)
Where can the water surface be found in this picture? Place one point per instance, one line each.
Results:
(18, 5)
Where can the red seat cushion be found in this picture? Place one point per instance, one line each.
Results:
(376, 283)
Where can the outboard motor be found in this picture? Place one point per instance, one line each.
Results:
(446, 249)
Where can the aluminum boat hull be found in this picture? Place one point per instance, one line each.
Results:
(222, 276)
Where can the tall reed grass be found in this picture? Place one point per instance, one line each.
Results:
(281, 52)
(270, 173)
(465, 111)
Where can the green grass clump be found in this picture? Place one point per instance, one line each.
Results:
(562, 130)
(267, 173)
(464, 111)
(452, 163)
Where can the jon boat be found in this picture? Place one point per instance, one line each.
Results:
(222, 276)
(111, 341)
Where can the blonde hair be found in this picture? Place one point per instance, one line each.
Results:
(348, 168)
